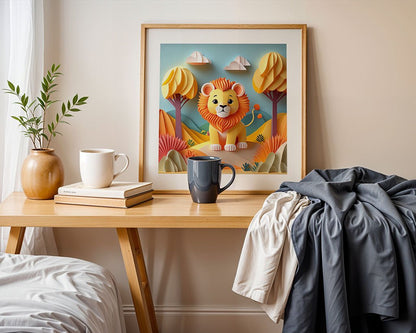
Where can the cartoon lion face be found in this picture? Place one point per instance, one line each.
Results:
(223, 103)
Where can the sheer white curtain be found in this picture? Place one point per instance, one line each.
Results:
(21, 61)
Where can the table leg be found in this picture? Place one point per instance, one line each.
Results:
(131, 250)
(14, 244)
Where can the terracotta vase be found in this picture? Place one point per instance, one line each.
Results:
(42, 174)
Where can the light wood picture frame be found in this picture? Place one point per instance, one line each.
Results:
(240, 53)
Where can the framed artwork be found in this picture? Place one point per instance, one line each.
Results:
(237, 92)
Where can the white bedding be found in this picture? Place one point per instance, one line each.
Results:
(57, 294)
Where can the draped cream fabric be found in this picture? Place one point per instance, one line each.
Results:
(268, 261)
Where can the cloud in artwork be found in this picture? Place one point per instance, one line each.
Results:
(197, 58)
(238, 64)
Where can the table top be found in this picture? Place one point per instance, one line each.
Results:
(164, 211)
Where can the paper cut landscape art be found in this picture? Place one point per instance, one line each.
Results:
(223, 100)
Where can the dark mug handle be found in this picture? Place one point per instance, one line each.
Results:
(226, 165)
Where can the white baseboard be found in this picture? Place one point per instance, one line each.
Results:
(201, 319)
(128, 310)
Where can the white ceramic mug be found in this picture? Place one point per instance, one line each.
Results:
(97, 167)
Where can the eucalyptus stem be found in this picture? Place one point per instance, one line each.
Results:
(34, 123)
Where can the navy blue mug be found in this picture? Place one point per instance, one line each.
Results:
(204, 178)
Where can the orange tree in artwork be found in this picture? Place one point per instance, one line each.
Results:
(178, 87)
(270, 79)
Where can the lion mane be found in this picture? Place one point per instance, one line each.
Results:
(223, 124)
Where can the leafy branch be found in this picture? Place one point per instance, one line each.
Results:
(34, 113)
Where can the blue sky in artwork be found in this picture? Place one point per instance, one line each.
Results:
(220, 55)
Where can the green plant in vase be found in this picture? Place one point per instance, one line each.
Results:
(42, 171)
(33, 120)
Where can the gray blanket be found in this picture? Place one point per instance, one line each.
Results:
(356, 249)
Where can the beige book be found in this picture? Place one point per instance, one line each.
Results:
(115, 190)
(104, 202)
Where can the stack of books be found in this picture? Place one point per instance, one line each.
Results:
(118, 194)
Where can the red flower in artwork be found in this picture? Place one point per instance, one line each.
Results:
(256, 107)
(168, 142)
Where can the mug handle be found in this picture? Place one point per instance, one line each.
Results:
(226, 165)
(116, 156)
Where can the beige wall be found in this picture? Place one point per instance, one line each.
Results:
(360, 111)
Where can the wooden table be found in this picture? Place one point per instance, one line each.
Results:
(164, 211)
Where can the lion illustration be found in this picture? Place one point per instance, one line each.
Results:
(223, 103)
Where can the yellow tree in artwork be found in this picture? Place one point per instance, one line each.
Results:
(270, 79)
(178, 87)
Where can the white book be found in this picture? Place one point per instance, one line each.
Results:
(115, 190)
